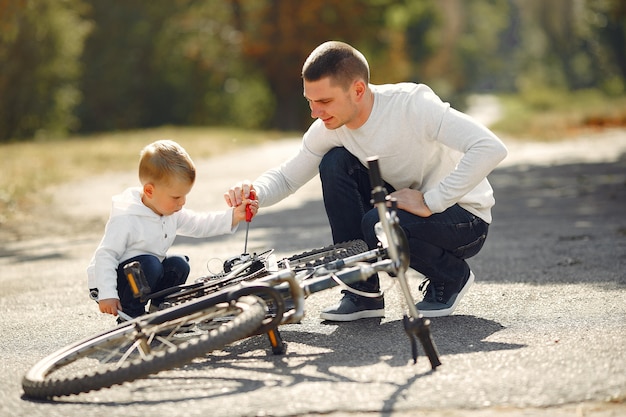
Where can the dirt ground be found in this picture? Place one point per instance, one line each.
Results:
(542, 333)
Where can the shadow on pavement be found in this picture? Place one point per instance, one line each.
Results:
(557, 224)
(365, 343)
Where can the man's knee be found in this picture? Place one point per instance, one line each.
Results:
(368, 222)
(334, 161)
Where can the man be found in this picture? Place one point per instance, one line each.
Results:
(434, 161)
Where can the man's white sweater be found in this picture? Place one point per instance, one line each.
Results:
(422, 143)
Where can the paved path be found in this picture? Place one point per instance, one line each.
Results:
(542, 333)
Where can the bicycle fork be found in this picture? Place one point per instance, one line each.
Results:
(415, 325)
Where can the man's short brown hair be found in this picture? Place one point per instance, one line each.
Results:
(337, 60)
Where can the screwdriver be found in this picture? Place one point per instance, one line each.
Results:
(252, 196)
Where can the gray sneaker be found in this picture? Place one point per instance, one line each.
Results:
(353, 307)
(438, 302)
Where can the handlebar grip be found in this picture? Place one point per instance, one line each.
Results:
(429, 348)
(376, 179)
(420, 327)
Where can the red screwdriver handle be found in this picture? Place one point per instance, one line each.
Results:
(248, 209)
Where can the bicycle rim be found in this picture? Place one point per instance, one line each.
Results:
(120, 355)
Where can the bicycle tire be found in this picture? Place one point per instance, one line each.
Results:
(321, 256)
(64, 373)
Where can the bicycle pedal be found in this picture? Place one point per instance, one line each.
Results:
(276, 341)
(137, 280)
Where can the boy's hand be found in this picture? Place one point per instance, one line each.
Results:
(110, 306)
(236, 195)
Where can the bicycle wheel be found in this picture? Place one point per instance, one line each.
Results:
(316, 257)
(140, 348)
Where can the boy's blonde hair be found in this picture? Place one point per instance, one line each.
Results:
(164, 160)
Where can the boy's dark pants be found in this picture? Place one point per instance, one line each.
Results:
(173, 271)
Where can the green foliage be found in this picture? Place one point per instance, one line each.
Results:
(251, 102)
(39, 49)
(29, 167)
(277, 36)
(124, 83)
(549, 113)
(97, 65)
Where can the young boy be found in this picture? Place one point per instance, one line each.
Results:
(143, 224)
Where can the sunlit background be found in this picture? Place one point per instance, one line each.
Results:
(79, 66)
(85, 84)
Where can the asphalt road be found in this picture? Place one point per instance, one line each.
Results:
(542, 332)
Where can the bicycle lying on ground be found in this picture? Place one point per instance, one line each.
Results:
(253, 295)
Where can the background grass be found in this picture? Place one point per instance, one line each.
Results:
(551, 114)
(26, 168)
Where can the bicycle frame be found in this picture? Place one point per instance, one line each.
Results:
(391, 257)
(394, 245)
(221, 311)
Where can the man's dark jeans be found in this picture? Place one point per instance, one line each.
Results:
(439, 244)
(173, 271)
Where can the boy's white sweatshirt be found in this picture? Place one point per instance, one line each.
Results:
(134, 229)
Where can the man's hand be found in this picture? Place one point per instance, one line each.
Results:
(236, 195)
(239, 213)
(110, 306)
(412, 201)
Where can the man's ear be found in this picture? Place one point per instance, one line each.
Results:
(148, 190)
(359, 89)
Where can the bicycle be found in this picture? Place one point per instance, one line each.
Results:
(249, 298)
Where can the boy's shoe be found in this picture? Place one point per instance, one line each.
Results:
(353, 307)
(438, 301)
(153, 308)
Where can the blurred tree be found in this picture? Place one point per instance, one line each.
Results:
(479, 52)
(201, 56)
(278, 35)
(154, 63)
(40, 43)
(122, 86)
(606, 20)
(571, 45)
(455, 45)
(238, 62)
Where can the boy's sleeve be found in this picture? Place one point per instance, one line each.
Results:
(108, 256)
(204, 224)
